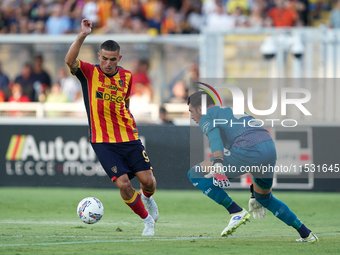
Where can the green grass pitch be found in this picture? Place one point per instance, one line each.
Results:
(44, 221)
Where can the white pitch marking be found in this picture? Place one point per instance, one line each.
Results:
(136, 239)
(78, 223)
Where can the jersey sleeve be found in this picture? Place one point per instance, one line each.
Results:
(84, 69)
(216, 143)
(213, 133)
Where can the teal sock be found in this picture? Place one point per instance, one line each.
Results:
(206, 186)
(279, 209)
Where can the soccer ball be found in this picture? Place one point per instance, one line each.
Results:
(90, 210)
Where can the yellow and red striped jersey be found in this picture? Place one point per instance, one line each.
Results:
(110, 120)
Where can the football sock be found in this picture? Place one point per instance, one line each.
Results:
(136, 204)
(209, 189)
(148, 219)
(234, 208)
(148, 193)
(279, 209)
(304, 231)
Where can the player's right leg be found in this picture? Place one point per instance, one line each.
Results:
(238, 216)
(280, 210)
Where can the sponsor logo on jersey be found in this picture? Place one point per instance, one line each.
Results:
(109, 97)
(110, 86)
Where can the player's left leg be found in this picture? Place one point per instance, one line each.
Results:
(238, 216)
(133, 200)
(196, 176)
(148, 188)
(280, 210)
(140, 165)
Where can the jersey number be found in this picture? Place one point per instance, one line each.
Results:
(145, 156)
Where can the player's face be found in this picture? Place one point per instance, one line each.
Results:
(109, 61)
(196, 114)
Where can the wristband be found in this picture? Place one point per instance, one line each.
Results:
(218, 160)
(252, 191)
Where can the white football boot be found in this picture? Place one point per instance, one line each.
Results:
(236, 220)
(310, 239)
(150, 206)
(149, 226)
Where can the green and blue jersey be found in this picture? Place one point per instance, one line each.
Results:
(225, 130)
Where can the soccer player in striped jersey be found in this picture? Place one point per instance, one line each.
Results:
(235, 146)
(112, 128)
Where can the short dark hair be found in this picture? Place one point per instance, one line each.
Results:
(110, 45)
(195, 99)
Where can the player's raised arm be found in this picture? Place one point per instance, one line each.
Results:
(73, 52)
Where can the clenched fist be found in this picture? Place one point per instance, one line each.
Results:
(86, 26)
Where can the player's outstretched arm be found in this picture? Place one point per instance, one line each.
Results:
(73, 52)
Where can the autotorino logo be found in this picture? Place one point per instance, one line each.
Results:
(26, 156)
(239, 102)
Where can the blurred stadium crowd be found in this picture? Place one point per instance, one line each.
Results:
(33, 83)
(156, 16)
